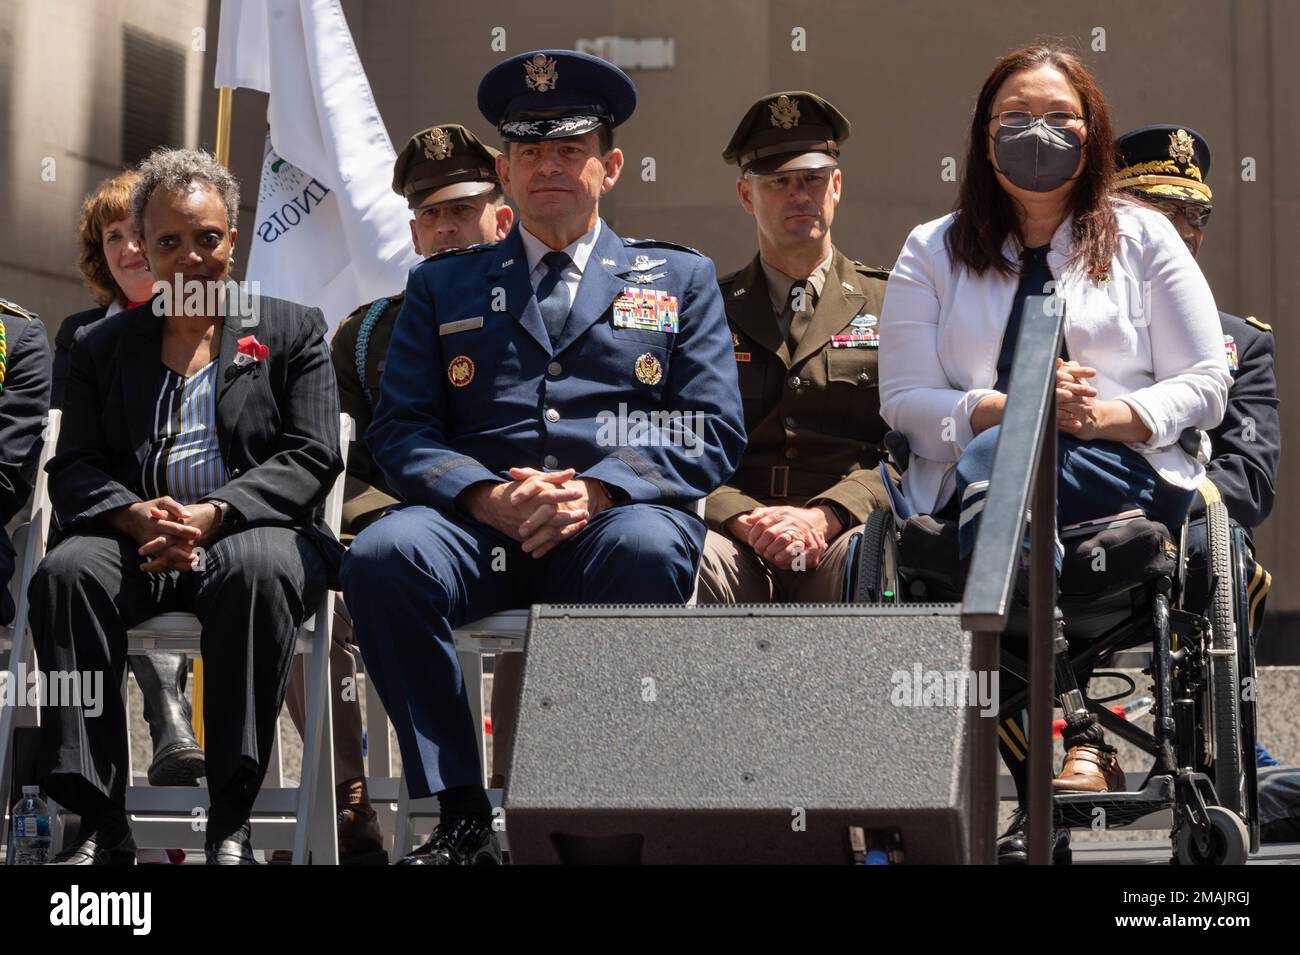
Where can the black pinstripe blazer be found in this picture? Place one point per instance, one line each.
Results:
(277, 419)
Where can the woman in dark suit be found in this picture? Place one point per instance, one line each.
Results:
(200, 440)
(113, 267)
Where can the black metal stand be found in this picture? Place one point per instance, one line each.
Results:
(1025, 460)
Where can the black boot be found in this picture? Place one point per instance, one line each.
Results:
(1013, 847)
(177, 755)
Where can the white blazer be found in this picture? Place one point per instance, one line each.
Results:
(1152, 333)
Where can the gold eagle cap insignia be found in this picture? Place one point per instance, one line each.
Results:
(437, 144)
(541, 73)
(1181, 146)
(785, 112)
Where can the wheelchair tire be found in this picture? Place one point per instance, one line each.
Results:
(877, 577)
(1229, 842)
(1225, 688)
(1247, 676)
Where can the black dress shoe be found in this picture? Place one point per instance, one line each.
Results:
(1013, 847)
(235, 849)
(93, 849)
(466, 840)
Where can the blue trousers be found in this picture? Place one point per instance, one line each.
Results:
(1094, 479)
(416, 573)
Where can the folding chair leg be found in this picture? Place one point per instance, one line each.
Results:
(471, 667)
(20, 655)
(316, 829)
(403, 831)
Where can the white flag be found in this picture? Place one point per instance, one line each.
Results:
(329, 230)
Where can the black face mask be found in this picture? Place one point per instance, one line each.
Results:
(1037, 158)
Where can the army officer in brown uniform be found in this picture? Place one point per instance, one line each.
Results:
(449, 181)
(803, 320)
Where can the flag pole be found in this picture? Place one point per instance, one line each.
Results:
(225, 102)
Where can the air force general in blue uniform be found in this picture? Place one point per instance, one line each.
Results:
(635, 387)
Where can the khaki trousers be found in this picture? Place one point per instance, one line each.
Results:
(348, 762)
(731, 573)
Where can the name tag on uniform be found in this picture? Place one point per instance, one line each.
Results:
(464, 325)
(647, 309)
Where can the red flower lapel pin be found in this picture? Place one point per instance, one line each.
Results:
(250, 350)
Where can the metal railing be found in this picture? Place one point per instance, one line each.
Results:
(1024, 464)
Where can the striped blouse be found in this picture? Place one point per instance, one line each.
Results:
(184, 458)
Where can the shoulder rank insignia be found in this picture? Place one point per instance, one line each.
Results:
(1262, 326)
(466, 250)
(11, 308)
(875, 271)
(660, 244)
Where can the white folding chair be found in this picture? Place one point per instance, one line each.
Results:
(29, 542)
(505, 632)
(302, 818)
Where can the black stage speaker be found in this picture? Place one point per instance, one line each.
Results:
(742, 734)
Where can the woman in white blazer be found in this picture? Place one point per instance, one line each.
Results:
(1143, 356)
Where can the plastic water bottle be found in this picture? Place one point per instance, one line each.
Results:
(31, 818)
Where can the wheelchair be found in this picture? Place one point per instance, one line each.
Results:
(1122, 586)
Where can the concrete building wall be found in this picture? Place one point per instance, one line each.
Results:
(905, 72)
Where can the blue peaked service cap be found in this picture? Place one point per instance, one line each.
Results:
(550, 94)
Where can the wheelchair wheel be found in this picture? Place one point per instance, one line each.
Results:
(1246, 674)
(1225, 729)
(877, 577)
(1228, 840)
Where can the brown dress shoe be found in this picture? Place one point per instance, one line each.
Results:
(1089, 769)
(360, 840)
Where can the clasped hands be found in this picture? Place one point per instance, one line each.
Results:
(781, 533)
(167, 531)
(1078, 412)
(539, 509)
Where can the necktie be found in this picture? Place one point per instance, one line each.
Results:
(553, 294)
(801, 310)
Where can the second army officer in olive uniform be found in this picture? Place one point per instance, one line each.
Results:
(803, 320)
